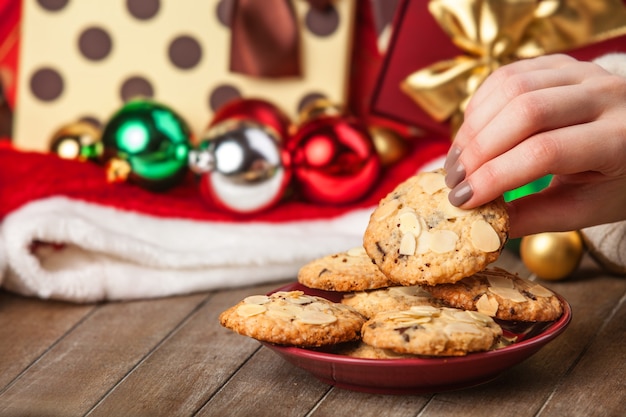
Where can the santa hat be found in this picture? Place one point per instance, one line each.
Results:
(67, 234)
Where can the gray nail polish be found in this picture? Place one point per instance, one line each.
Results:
(452, 157)
(455, 175)
(460, 194)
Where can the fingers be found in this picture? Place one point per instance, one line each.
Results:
(514, 81)
(527, 115)
(495, 82)
(566, 206)
(563, 151)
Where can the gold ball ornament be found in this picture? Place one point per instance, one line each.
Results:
(390, 146)
(79, 140)
(320, 107)
(552, 256)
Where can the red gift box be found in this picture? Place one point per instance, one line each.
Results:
(417, 42)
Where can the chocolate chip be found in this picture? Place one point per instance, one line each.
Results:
(323, 271)
(381, 250)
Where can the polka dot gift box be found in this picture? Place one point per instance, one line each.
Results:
(84, 59)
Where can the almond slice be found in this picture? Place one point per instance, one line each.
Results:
(424, 310)
(249, 310)
(257, 299)
(410, 291)
(407, 245)
(316, 317)
(540, 291)
(450, 211)
(300, 299)
(285, 313)
(508, 293)
(481, 317)
(443, 241)
(409, 223)
(500, 281)
(461, 327)
(432, 182)
(385, 210)
(484, 237)
(423, 243)
(356, 251)
(487, 306)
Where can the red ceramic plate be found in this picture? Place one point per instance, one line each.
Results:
(421, 375)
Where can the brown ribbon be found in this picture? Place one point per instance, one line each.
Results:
(265, 39)
(495, 32)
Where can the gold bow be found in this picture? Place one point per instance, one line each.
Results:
(493, 33)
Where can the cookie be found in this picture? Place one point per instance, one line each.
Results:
(416, 236)
(501, 294)
(294, 319)
(432, 331)
(368, 303)
(364, 351)
(347, 271)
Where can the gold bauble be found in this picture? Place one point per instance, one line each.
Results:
(78, 140)
(320, 107)
(553, 255)
(390, 146)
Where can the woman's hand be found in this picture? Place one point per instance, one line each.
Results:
(547, 115)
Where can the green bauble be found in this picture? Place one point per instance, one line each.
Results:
(528, 189)
(523, 191)
(146, 143)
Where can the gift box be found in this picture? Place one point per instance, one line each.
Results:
(434, 37)
(83, 60)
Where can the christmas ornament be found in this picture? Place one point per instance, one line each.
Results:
(147, 144)
(258, 111)
(390, 146)
(530, 188)
(553, 255)
(334, 160)
(320, 107)
(79, 140)
(242, 166)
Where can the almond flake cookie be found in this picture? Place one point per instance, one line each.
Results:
(432, 331)
(501, 294)
(416, 236)
(351, 270)
(293, 318)
(368, 303)
(365, 351)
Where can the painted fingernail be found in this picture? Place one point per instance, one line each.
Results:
(460, 194)
(452, 157)
(455, 174)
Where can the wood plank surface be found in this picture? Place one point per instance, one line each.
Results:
(171, 357)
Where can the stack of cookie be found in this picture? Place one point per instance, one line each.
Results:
(420, 285)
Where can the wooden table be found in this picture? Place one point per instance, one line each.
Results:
(170, 357)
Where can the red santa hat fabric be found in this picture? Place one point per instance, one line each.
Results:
(66, 233)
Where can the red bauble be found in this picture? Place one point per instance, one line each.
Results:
(334, 160)
(257, 111)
